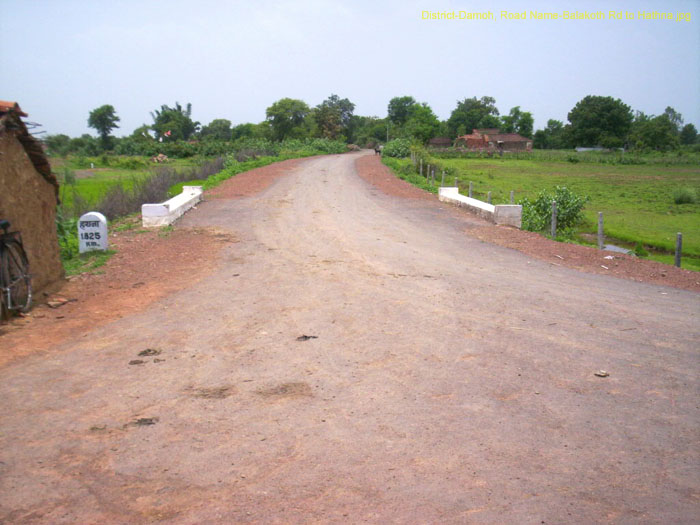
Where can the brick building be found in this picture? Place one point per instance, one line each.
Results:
(491, 140)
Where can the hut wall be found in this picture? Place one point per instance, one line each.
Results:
(29, 202)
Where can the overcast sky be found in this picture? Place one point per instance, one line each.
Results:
(232, 59)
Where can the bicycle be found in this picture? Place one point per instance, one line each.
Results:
(15, 280)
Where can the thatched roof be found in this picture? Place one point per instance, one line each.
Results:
(11, 122)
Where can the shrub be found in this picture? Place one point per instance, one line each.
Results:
(120, 200)
(537, 214)
(639, 250)
(398, 148)
(685, 196)
(67, 229)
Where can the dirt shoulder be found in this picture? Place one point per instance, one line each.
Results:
(583, 258)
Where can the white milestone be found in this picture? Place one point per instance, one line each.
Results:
(92, 232)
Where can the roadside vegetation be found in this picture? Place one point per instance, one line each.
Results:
(644, 204)
(646, 181)
(117, 186)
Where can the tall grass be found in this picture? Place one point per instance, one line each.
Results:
(120, 199)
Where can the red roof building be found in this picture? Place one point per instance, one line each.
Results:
(492, 140)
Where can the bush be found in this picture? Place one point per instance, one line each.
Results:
(640, 251)
(67, 229)
(120, 200)
(685, 196)
(398, 148)
(537, 214)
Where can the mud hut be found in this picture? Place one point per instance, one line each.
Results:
(29, 195)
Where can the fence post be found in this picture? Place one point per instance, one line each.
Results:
(512, 194)
(488, 197)
(442, 183)
(456, 183)
(679, 248)
(432, 177)
(470, 189)
(554, 219)
(601, 237)
(421, 167)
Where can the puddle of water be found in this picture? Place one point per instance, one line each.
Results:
(617, 249)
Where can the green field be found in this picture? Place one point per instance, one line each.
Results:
(636, 200)
(91, 184)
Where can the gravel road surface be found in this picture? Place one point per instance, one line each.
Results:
(443, 380)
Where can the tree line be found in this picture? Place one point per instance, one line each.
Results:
(594, 121)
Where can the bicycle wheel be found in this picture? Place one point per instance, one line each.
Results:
(17, 278)
(4, 296)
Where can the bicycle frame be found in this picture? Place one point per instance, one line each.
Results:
(7, 239)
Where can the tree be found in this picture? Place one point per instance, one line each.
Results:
(473, 113)
(142, 133)
(217, 129)
(674, 117)
(242, 131)
(600, 121)
(422, 124)
(103, 119)
(689, 135)
(333, 116)
(171, 124)
(517, 121)
(649, 132)
(286, 118)
(57, 144)
(85, 145)
(551, 137)
(398, 109)
(367, 131)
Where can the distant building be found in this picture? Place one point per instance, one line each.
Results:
(29, 195)
(491, 140)
(440, 142)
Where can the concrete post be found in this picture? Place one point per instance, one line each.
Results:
(554, 219)
(470, 189)
(512, 194)
(421, 167)
(601, 236)
(488, 197)
(442, 183)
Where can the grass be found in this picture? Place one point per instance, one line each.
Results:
(176, 189)
(91, 184)
(86, 262)
(127, 223)
(637, 201)
(689, 263)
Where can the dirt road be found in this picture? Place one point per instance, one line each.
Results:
(448, 380)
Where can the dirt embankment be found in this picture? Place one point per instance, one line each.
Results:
(582, 258)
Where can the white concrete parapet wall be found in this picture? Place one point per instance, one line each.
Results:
(165, 213)
(508, 214)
